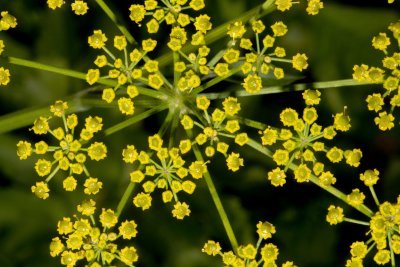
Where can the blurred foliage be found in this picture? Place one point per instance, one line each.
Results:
(335, 40)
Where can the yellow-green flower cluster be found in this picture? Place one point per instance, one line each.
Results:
(219, 124)
(388, 76)
(259, 58)
(166, 172)
(69, 154)
(384, 228)
(81, 240)
(7, 22)
(124, 69)
(300, 142)
(313, 6)
(250, 255)
(173, 13)
(79, 7)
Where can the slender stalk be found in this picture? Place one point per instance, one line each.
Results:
(356, 221)
(331, 189)
(371, 188)
(289, 88)
(114, 18)
(216, 80)
(134, 119)
(124, 199)
(217, 201)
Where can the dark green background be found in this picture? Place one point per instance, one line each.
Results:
(335, 40)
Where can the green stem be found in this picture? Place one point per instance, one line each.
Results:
(124, 199)
(333, 190)
(217, 201)
(134, 119)
(290, 88)
(356, 221)
(371, 188)
(114, 19)
(216, 80)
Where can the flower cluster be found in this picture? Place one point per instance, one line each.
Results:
(250, 255)
(7, 21)
(82, 240)
(167, 172)
(300, 144)
(79, 7)
(388, 76)
(69, 154)
(313, 6)
(215, 126)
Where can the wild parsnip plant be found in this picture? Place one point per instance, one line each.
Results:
(178, 69)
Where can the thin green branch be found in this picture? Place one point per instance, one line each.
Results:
(124, 199)
(217, 201)
(114, 19)
(134, 119)
(289, 88)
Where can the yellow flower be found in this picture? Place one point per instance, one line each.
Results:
(137, 13)
(97, 40)
(326, 179)
(335, 215)
(277, 177)
(314, 6)
(126, 106)
(269, 253)
(231, 106)
(24, 149)
(197, 4)
(142, 200)
(281, 156)
(197, 169)
(283, 5)
(355, 198)
(41, 190)
(181, 210)
(108, 95)
(155, 81)
(92, 186)
(43, 167)
(79, 7)
(120, 42)
(4, 76)
(128, 255)
(128, 229)
(92, 76)
(370, 177)
(265, 230)
(211, 248)
(252, 83)
(97, 151)
(384, 121)
(236, 30)
(302, 173)
(108, 218)
(234, 162)
(69, 183)
(299, 62)
(87, 207)
(279, 28)
(382, 257)
(381, 41)
(202, 23)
